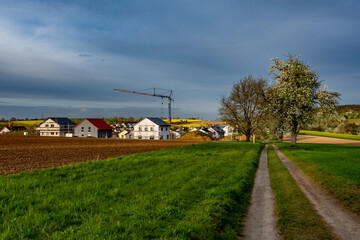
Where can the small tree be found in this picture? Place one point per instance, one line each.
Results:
(246, 105)
(297, 94)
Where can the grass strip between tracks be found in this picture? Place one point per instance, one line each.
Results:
(331, 135)
(193, 192)
(297, 219)
(335, 167)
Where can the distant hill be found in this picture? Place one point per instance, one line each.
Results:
(346, 108)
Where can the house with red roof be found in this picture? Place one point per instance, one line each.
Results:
(12, 129)
(93, 127)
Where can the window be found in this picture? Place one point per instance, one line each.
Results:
(161, 128)
(139, 137)
(52, 133)
(151, 128)
(146, 129)
(151, 137)
(167, 136)
(82, 129)
(46, 125)
(89, 130)
(52, 125)
(139, 128)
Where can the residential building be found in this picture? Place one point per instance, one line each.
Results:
(55, 127)
(125, 134)
(176, 134)
(216, 131)
(12, 128)
(93, 127)
(152, 128)
(228, 130)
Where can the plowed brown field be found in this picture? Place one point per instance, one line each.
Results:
(27, 153)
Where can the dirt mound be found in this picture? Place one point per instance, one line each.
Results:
(196, 135)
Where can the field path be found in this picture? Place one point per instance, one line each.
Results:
(344, 223)
(323, 140)
(260, 222)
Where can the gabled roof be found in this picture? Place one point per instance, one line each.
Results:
(61, 120)
(99, 123)
(8, 128)
(158, 121)
(14, 128)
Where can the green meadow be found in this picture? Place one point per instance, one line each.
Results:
(335, 167)
(193, 192)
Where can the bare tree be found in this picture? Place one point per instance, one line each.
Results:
(246, 107)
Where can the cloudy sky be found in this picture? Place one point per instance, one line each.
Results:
(64, 58)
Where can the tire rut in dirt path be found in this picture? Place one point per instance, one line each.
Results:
(344, 223)
(260, 222)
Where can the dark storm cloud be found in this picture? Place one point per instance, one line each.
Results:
(57, 49)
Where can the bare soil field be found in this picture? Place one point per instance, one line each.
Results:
(27, 153)
(324, 140)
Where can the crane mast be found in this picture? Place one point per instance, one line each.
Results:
(169, 97)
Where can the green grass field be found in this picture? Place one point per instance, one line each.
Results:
(332, 135)
(194, 192)
(297, 219)
(335, 167)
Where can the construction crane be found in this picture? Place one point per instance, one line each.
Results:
(154, 94)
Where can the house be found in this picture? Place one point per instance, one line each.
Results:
(93, 127)
(12, 128)
(216, 131)
(126, 134)
(228, 130)
(152, 128)
(205, 130)
(55, 127)
(176, 134)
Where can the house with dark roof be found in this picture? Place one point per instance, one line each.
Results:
(152, 128)
(56, 127)
(216, 131)
(93, 127)
(12, 129)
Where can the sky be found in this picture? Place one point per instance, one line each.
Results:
(64, 58)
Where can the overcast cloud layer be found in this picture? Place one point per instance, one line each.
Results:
(64, 58)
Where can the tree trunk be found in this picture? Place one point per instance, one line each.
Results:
(293, 136)
(248, 136)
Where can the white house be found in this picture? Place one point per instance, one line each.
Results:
(216, 131)
(176, 134)
(228, 130)
(152, 128)
(11, 129)
(55, 127)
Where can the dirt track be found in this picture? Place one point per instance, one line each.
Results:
(344, 223)
(260, 220)
(27, 153)
(324, 140)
